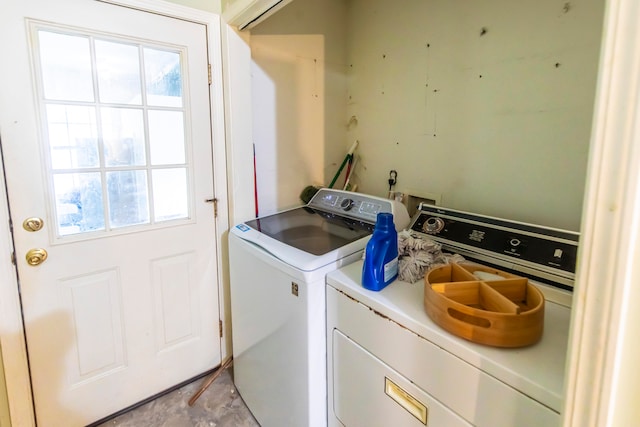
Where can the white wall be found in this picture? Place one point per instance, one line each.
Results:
(495, 121)
(299, 87)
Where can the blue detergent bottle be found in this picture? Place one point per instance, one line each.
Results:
(381, 255)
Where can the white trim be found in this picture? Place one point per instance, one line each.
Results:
(170, 9)
(220, 179)
(246, 14)
(236, 56)
(236, 53)
(602, 383)
(14, 351)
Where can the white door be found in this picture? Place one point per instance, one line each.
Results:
(106, 136)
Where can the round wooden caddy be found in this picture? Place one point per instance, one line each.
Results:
(489, 307)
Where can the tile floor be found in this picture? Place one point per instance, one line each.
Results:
(219, 406)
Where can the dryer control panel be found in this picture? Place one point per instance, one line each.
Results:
(544, 253)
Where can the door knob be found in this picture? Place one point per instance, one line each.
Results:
(36, 256)
(33, 224)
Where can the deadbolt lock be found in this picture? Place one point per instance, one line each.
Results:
(33, 224)
(36, 256)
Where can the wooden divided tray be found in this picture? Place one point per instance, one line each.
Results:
(484, 305)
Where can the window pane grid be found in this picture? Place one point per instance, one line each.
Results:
(117, 158)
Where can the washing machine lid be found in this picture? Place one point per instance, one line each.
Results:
(334, 224)
(312, 230)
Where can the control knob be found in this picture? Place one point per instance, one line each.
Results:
(433, 225)
(347, 204)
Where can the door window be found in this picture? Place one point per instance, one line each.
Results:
(115, 131)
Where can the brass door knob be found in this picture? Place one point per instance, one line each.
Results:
(36, 256)
(33, 224)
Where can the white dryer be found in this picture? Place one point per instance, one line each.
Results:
(278, 265)
(389, 364)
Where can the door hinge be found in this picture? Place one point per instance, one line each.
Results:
(215, 206)
(220, 327)
(13, 258)
(209, 73)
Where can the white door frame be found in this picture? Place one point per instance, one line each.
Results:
(602, 376)
(11, 327)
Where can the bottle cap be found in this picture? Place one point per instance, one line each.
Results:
(384, 220)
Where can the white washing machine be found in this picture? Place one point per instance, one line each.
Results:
(390, 364)
(278, 266)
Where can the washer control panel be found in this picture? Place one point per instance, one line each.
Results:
(356, 205)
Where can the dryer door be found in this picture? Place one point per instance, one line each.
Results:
(368, 392)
